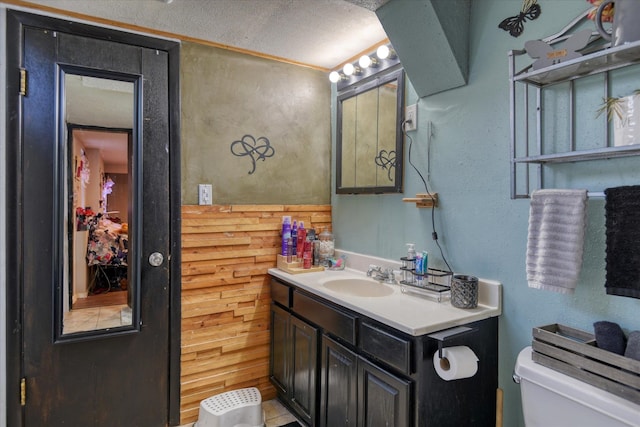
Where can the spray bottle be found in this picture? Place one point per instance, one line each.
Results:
(286, 234)
(294, 237)
(302, 238)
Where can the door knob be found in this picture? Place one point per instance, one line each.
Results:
(156, 259)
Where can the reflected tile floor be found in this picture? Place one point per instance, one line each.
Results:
(275, 414)
(87, 319)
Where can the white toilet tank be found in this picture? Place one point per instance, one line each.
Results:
(552, 399)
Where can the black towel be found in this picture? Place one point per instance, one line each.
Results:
(609, 336)
(622, 210)
(633, 346)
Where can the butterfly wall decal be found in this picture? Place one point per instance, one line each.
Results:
(515, 24)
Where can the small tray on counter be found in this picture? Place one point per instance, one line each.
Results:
(295, 267)
(573, 352)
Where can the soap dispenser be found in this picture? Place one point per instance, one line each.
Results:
(409, 264)
(411, 251)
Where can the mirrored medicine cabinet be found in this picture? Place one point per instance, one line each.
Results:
(369, 137)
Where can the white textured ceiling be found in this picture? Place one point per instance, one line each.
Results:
(320, 33)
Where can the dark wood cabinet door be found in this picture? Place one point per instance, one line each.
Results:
(384, 399)
(339, 374)
(279, 349)
(304, 369)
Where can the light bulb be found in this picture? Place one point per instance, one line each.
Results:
(334, 77)
(385, 52)
(348, 69)
(364, 61)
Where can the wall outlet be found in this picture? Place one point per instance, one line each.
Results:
(205, 194)
(411, 117)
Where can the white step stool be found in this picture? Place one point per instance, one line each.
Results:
(237, 408)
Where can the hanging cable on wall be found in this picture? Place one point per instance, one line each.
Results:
(434, 234)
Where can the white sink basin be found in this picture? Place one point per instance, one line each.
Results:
(358, 287)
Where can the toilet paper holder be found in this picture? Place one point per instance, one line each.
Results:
(448, 334)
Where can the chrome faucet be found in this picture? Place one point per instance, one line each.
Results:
(381, 275)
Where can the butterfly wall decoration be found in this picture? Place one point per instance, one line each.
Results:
(515, 24)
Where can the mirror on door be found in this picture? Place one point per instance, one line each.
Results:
(98, 121)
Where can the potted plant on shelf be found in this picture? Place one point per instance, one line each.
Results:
(625, 113)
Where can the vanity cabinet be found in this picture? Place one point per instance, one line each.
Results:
(384, 398)
(339, 385)
(280, 337)
(356, 392)
(294, 361)
(335, 367)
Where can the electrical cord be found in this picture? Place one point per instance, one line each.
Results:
(434, 234)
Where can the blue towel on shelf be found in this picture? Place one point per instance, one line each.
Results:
(557, 222)
(622, 222)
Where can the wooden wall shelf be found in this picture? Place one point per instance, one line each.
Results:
(423, 200)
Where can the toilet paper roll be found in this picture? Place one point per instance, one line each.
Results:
(457, 362)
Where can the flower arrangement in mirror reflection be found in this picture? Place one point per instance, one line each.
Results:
(255, 149)
(387, 160)
(83, 217)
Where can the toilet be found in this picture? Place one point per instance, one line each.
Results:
(553, 399)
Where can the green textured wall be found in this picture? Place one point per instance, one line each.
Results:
(482, 231)
(227, 95)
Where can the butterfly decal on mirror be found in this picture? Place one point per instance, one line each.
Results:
(548, 56)
(515, 24)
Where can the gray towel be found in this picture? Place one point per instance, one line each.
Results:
(557, 222)
(633, 346)
(610, 337)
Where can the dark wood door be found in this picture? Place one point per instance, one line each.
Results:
(123, 379)
(280, 350)
(339, 374)
(384, 399)
(304, 371)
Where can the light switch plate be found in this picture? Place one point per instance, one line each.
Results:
(205, 194)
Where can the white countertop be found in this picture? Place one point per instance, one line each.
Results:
(410, 313)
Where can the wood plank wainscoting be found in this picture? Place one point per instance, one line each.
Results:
(226, 252)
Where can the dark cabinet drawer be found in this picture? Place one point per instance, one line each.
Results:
(386, 347)
(332, 320)
(281, 293)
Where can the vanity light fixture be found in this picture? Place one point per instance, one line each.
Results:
(385, 52)
(366, 66)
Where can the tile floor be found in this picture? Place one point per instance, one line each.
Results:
(88, 319)
(275, 414)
